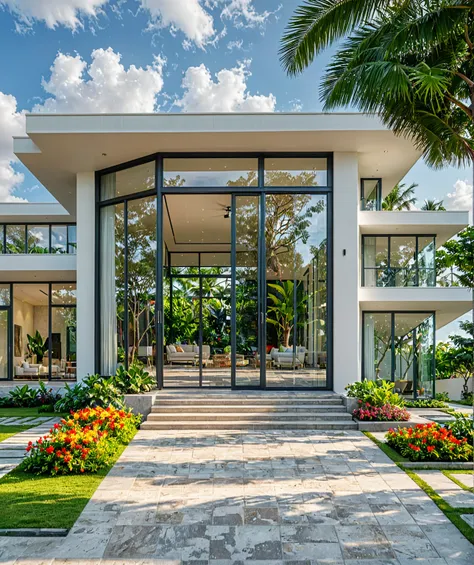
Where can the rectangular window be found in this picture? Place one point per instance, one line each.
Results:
(375, 250)
(15, 239)
(72, 241)
(209, 172)
(38, 239)
(296, 171)
(63, 293)
(59, 239)
(129, 181)
(371, 194)
(4, 295)
(2, 239)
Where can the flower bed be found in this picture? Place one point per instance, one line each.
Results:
(385, 413)
(429, 442)
(85, 442)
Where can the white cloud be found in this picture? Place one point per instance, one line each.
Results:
(12, 122)
(188, 16)
(238, 45)
(68, 13)
(461, 197)
(228, 93)
(243, 14)
(103, 86)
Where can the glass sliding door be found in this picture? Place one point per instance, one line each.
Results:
(249, 359)
(296, 290)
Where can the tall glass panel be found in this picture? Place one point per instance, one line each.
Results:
(371, 197)
(210, 172)
(296, 171)
(403, 260)
(376, 272)
(112, 288)
(15, 239)
(2, 238)
(72, 242)
(63, 339)
(30, 332)
(296, 248)
(129, 181)
(426, 261)
(4, 295)
(59, 239)
(38, 239)
(141, 279)
(377, 346)
(4, 317)
(248, 362)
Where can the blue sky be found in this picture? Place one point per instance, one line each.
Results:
(176, 55)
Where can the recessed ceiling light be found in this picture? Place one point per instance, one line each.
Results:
(104, 154)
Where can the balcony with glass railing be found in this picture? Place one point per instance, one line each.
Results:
(399, 261)
(34, 239)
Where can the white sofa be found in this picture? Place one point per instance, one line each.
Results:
(190, 353)
(25, 369)
(285, 358)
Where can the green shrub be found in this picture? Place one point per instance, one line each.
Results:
(443, 396)
(462, 426)
(133, 381)
(93, 391)
(375, 393)
(425, 403)
(46, 408)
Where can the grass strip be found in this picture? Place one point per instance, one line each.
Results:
(28, 413)
(450, 475)
(38, 501)
(9, 431)
(453, 514)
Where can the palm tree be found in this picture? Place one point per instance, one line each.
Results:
(433, 206)
(400, 198)
(410, 62)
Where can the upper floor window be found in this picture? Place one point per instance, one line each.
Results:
(37, 238)
(405, 260)
(371, 194)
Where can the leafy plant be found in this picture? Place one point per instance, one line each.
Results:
(23, 396)
(375, 393)
(462, 426)
(386, 413)
(425, 403)
(36, 345)
(429, 442)
(46, 408)
(46, 395)
(442, 396)
(281, 311)
(73, 398)
(133, 381)
(102, 391)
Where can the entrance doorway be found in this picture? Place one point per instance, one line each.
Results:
(244, 290)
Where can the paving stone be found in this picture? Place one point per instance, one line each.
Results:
(364, 542)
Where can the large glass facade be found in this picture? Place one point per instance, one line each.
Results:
(244, 275)
(399, 261)
(400, 347)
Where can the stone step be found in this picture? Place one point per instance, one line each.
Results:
(243, 425)
(245, 401)
(160, 408)
(249, 416)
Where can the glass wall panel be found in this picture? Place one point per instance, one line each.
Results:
(63, 293)
(129, 181)
(59, 239)
(141, 279)
(15, 239)
(376, 261)
(426, 261)
(246, 290)
(31, 331)
(4, 322)
(2, 238)
(301, 171)
(4, 295)
(403, 260)
(63, 341)
(38, 239)
(210, 172)
(112, 288)
(72, 241)
(377, 346)
(296, 248)
(371, 194)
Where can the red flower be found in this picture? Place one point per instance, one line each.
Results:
(430, 448)
(50, 449)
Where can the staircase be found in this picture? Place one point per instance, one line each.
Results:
(248, 410)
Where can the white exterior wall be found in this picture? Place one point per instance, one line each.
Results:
(85, 217)
(346, 326)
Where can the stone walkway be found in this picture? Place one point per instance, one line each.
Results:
(12, 449)
(221, 498)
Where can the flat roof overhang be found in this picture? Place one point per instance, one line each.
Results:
(59, 146)
(448, 302)
(443, 225)
(34, 212)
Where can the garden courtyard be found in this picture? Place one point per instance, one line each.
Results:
(272, 496)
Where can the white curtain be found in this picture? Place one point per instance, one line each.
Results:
(108, 315)
(369, 348)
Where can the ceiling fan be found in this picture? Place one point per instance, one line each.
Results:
(223, 208)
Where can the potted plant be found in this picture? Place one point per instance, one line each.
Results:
(36, 346)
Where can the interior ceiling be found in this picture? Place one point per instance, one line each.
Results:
(36, 295)
(197, 222)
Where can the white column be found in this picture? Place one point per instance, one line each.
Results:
(346, 326)
(85, 218)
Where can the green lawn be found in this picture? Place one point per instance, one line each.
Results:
(8, 431)
(27, 413)
(32, 501)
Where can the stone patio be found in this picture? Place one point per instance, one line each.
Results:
(307, 497)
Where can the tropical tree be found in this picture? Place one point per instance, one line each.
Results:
(455, 259)
(457, 359)
(400, 198)
(281, 310)
(412, 62)
(433, 206)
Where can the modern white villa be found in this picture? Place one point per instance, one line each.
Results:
(222, 250)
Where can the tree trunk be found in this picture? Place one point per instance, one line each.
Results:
(286, 337)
